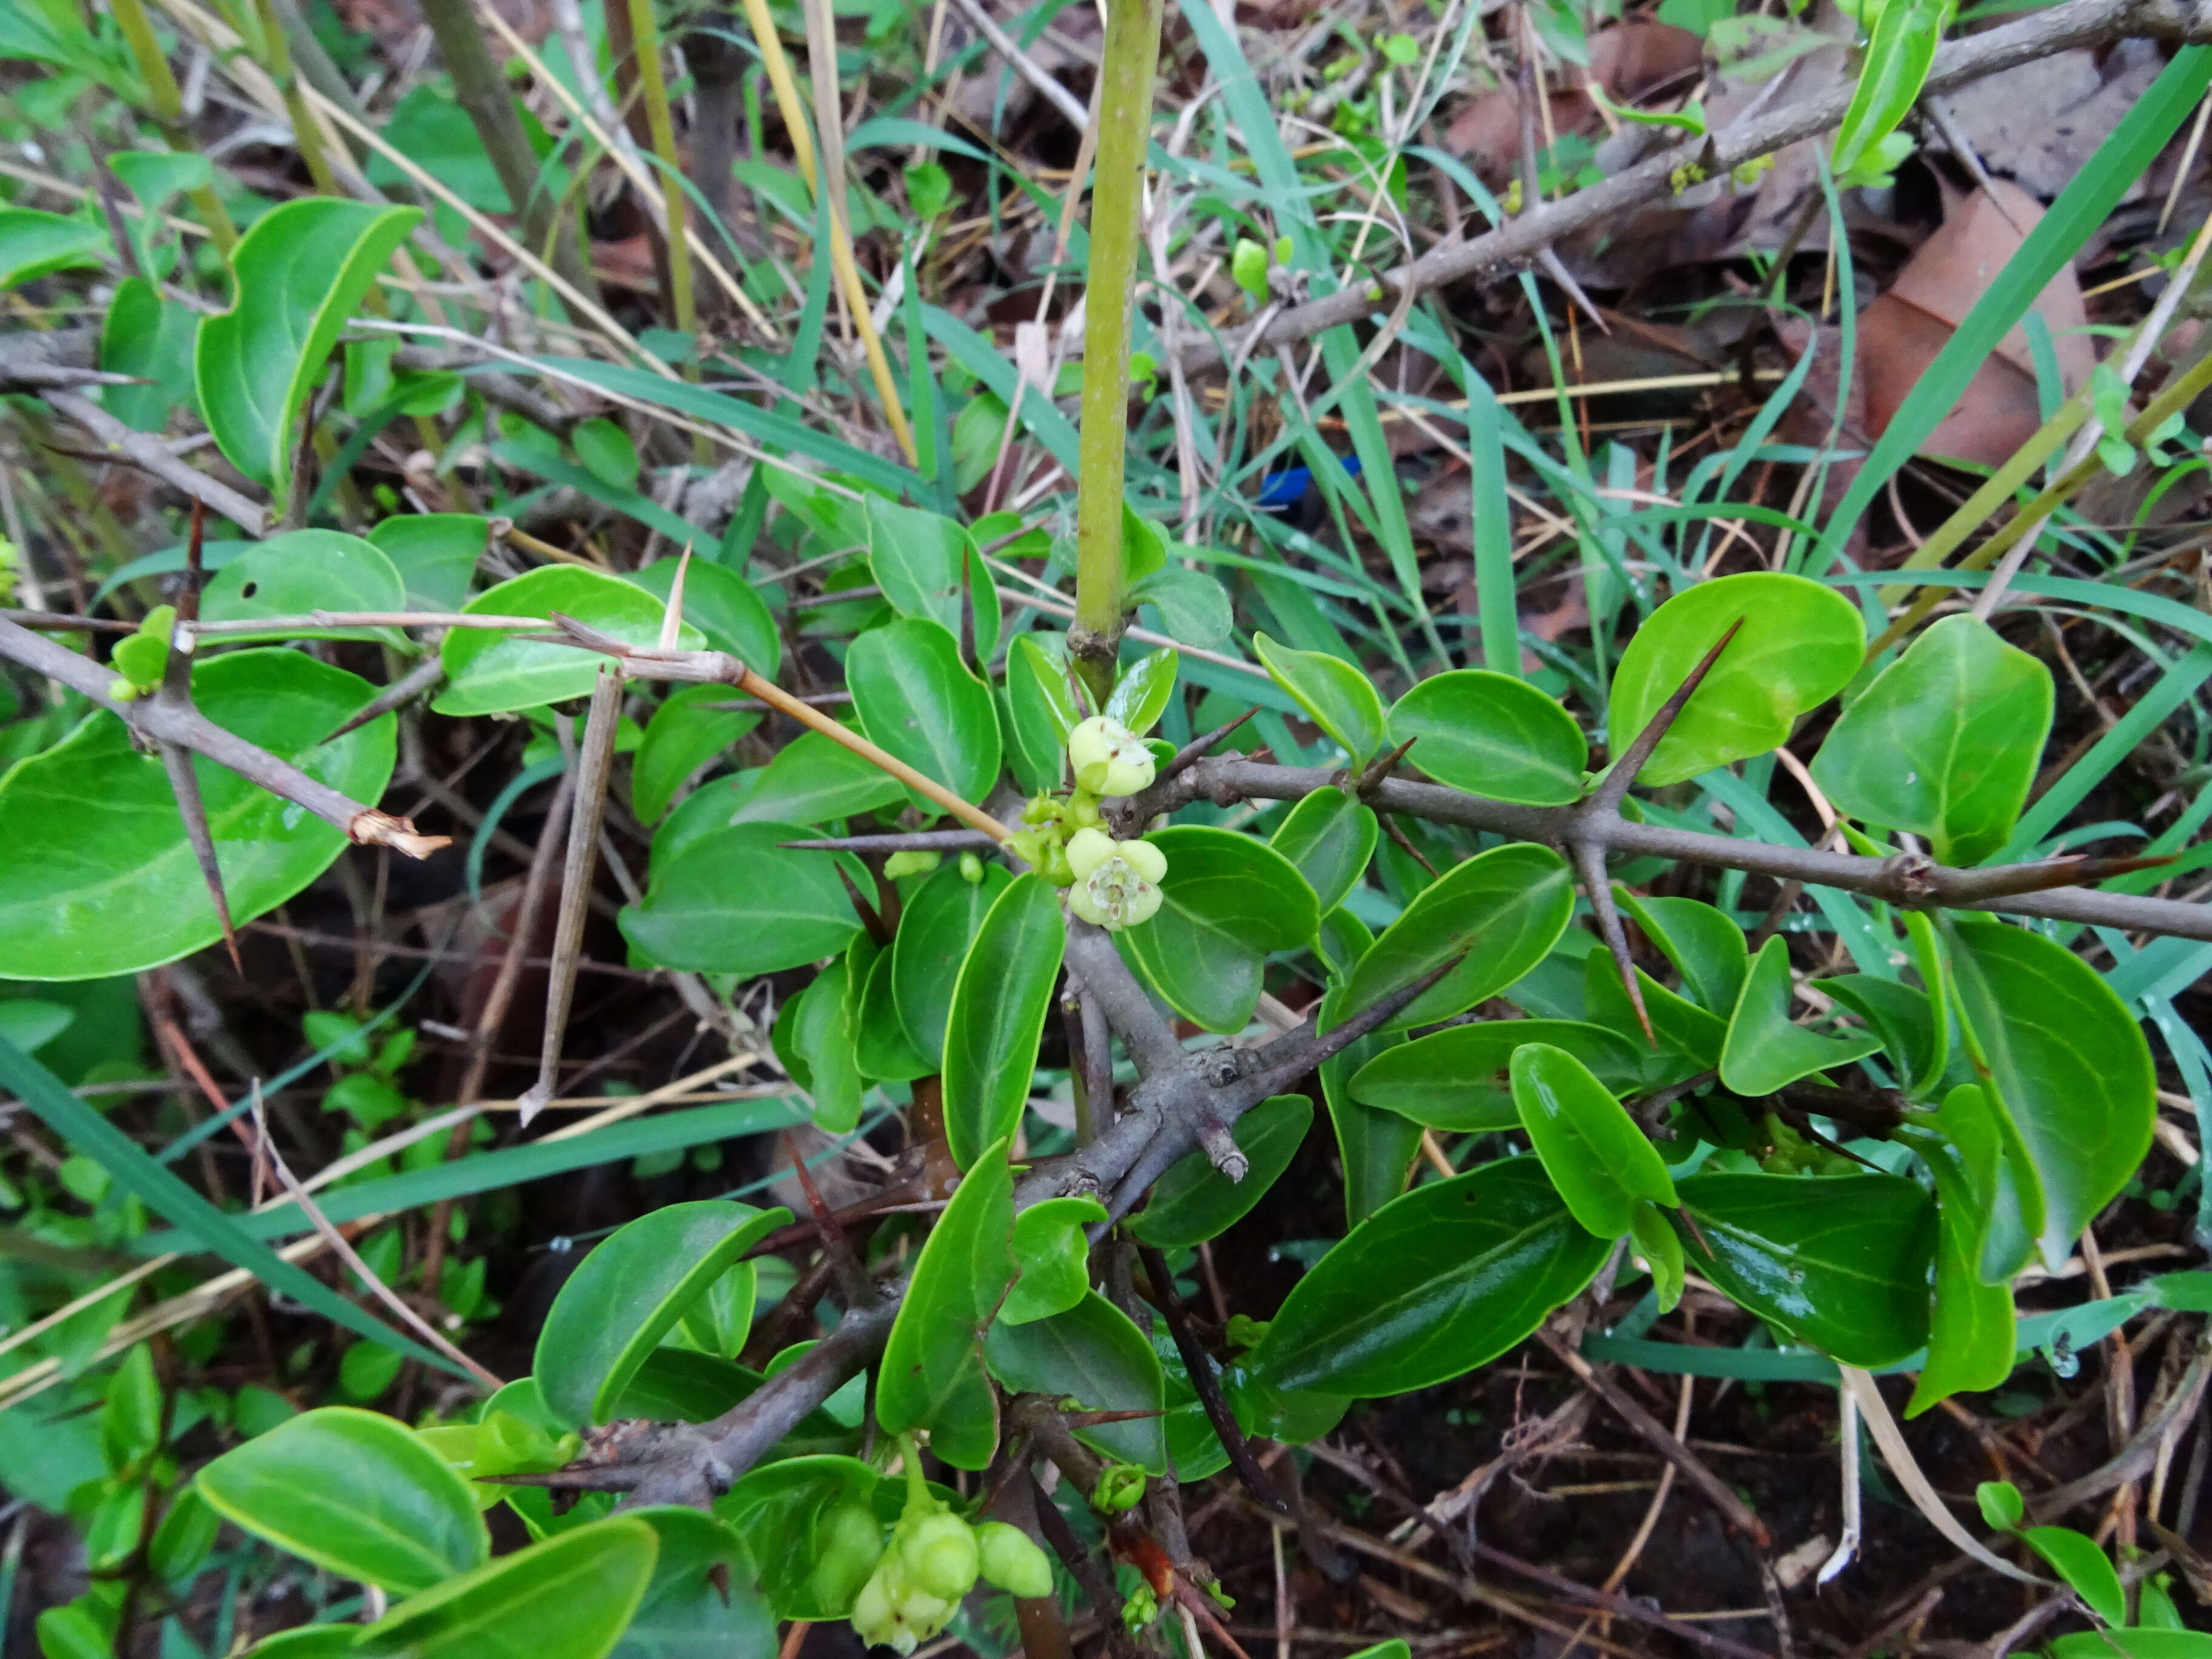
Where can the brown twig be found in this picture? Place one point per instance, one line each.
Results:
(1199, 1367)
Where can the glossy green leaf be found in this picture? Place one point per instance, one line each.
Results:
(309, 1642)
(700, 1600)
(355, 1493)
(1685, 1031)
(998, 1011)
(1376, 1148)
(1945, 742)
(33, 244)
(1707, 949)
(1601, 1163)
(1764, 1051)
(1093, 1355)
(2075, 1092)
(1840, 1262)
(1898, 58)
(784, 1512)
(99, 878)
(813, 778)
(436, 554)
(494, 673)
(1335, 694)
(628, 1293)
(1972, 1327)
(1800, 645)
(681, 1385)
(1225, 903)
(1494, 735)
(1456, 1080)
(722, 605)
(1653, 1236)
(1193, 1201)
(304, 570)
(1053, 1252)
(735, 902)
(1141, 693)
(567, 1597)
(299, 270)
(1431, 1285)
(932, 1375)
(941, 923)
(1901, 1015)
(927, 566)
(1041, 707)
(815, 1040)
(2085, 1568)
(149, 335)
(886, 1053)
(691, 728)
(606, 452)
(913, 697)
(1500, 912)
(1330, 835)
(1194, 608)
(2137, 1644)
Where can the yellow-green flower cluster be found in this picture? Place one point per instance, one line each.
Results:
(933, 1558)
(1114, 883)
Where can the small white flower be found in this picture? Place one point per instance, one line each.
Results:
(1116, 881)
(1108, 757)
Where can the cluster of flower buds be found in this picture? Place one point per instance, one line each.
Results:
(932, 1560)
(139, 659)
(1115, 884)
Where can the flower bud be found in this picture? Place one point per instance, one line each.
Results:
(911, 863)
(1108, 757)
(872, 1613)
(971, 869)
(1120, 1486)
(848, 1544)
(939, 1551)
(1116, 881)
(1012, 1562)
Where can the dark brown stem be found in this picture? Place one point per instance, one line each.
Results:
(1199, 1365)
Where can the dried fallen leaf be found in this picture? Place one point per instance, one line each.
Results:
(1628, 64)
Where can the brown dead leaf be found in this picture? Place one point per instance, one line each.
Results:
(1901, 333)
(1627, 63)
(2041, 123)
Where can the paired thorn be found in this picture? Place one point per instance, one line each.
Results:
(1589, 859)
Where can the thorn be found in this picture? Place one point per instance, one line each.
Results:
(1551, 267)
(671, 618)
(967, 601)
(871, 917)
(1631, 761)
(185, 785)
(1590, 856)
(1378, 770)
(2070, 871)
(592, 762)
(1691, 1222)
(1199, 747)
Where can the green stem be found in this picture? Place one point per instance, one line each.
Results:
(645, 31)
(168, 111)
(1125, 111)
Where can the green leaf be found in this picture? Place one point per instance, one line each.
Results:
(299, 272)
(494, 673)
(2075, 1093)
(1597, 1157)
(1142, 693)
(677, 1385)
(567, 1597)
(150, 335)
(1494, 735)
(1225, 903)
(628, 1293)
(1377, 1148)
(2138, 1644)
(1971, 1329)
(941, 924)
(1901, 1015)
(1840, 1262)
(34, 245)
(932, 1375)
(1432, 1285)
(686, 732)
(913, 698)
(353, 1493)
(1041, 707)
(998, 1012)
(1799, 644)
(1456, 1080)
(782, 1512)
(308, 1642)
(1706, 947)
(885, 1051)
(927, 566)
(436, 554)
(1093, 1355)
(1500, 912)
(1330, 837)
(1339, 698)
(813, 779)
(1685, 1031)
(2085, 1568)
(99, 879)
(1193, 1201)
(734, 902)
(723, 606)
(700, 1600)
(606, 452)
(1053, 1252)
(818, 1048)
(1905, 35)
(1764, 1051)
(1944, 742)
(2001, 1505)
(304, 570)
(1194, 608)
(131, 1419)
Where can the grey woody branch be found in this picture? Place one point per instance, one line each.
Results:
(157, 722)
(1521, 239)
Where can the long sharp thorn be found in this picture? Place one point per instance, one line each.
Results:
(967, 604)
(594, 761)
(1590, 856)
(2071, 871)
(871, 917)
(185, 785)
(672, 619)
(1631, 761)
